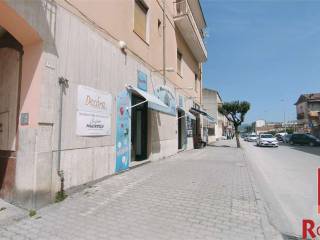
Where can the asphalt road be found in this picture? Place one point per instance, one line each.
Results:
(287, 179)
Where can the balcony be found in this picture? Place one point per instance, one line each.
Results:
(314, 114)
(185, 21)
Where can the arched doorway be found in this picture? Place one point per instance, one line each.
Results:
(11, 52)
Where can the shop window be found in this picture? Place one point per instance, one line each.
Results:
(140, 19)
(211, 131)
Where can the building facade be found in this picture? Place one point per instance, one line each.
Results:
(260, 123)
(221, 127)
(89, 88)
(308, 113)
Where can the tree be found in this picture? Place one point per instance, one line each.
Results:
(235, 112)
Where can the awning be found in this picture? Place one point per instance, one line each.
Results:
(186, 113)
(210, 118)
(198, 111)
(205, 114)
(153, 101)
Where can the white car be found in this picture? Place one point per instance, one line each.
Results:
(267, 140)
(251, 138)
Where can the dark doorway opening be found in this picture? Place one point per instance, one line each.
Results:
(180, 128)
(11, 52)
(196, 127)
(139, 129)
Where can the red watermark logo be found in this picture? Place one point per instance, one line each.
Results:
(309, 228)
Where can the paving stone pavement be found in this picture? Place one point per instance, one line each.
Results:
(198, 194)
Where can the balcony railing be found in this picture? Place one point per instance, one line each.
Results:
(181, 7)
(181, 10)
(314, 114)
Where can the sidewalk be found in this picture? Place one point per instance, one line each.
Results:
(198, 194)
(9, 214)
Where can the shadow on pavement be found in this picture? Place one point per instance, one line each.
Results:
(223, 146)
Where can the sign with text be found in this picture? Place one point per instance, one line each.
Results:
(142, 81)
(166, 96)
(93, 112)
(311, 227)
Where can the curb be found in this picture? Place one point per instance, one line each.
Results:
(269, 231)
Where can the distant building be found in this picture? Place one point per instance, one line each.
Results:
(261, 126)
(308, 113)
(211, 102)
(260, 123)
(268, 127)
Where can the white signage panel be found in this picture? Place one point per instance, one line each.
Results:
(94, 112)
(93, 100)
(93, 124)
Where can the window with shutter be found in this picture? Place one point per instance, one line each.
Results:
(140, 19)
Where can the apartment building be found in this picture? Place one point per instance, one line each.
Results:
(90, 88)
(220, 127)
(308, 113)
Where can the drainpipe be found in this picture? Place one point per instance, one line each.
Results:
(63, 83)
(164, 42)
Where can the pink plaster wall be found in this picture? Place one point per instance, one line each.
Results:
(31, 65)
(31, 81)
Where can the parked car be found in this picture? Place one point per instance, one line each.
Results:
(304, 139)
(243, 135)
(267, 140)
(279, 137)
(286, 138)
(251, 138)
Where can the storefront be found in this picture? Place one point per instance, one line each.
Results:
(202, 124)
(133, 131)
(70, 120)
(186, 123)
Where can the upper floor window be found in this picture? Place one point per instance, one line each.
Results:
(140, 19)
(179, 63)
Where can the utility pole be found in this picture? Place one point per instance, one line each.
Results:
(284, 120)
(284, 115)
(164, 41)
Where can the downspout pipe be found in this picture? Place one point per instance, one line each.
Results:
(63, 83)
(164, 42)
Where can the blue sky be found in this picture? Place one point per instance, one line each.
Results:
(263, 52)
